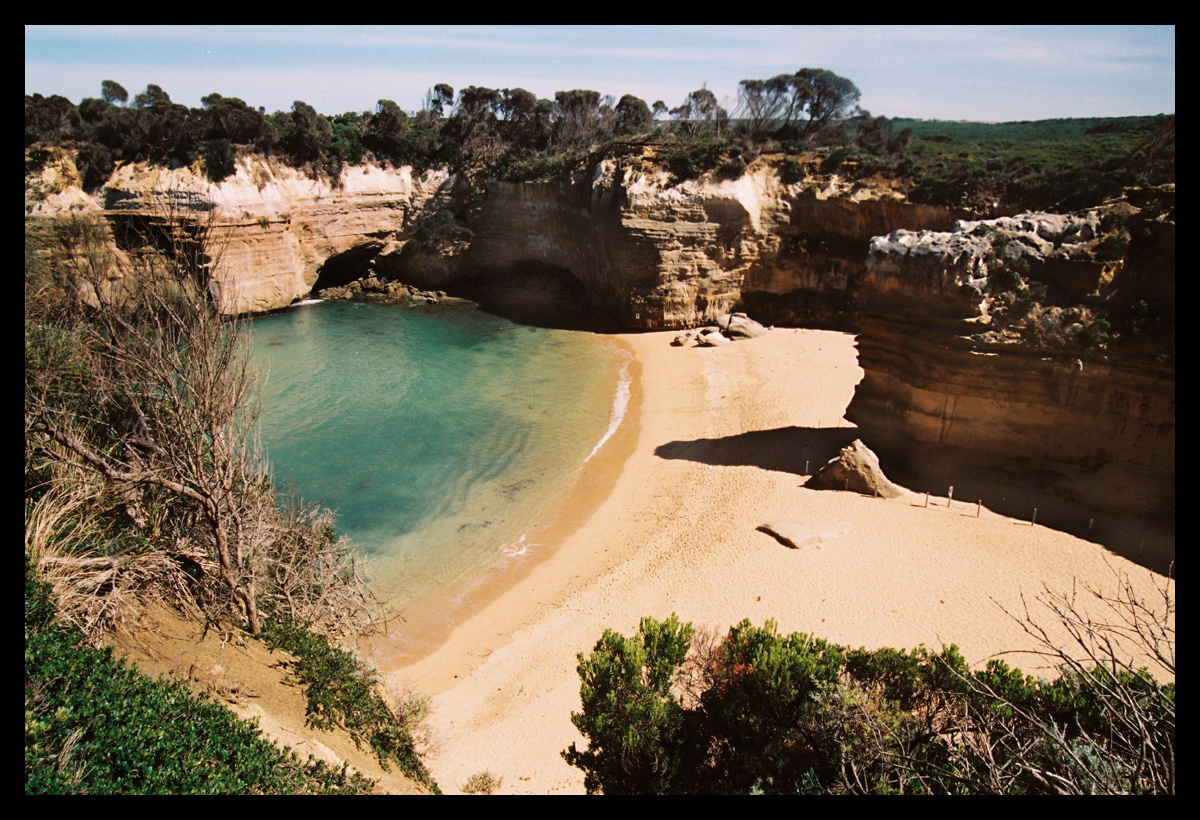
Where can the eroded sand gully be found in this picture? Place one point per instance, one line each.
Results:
(716, 443)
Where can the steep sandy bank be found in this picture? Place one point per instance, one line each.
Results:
(722, 440)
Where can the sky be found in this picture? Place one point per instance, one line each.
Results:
(990, 73)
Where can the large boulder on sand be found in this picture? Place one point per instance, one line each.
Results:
(856, 468)
(711, 337)
(740, 326)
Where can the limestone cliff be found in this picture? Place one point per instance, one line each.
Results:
(657, 255)
(990, 340)
(995, 339)
(277, 226)
(633, 246)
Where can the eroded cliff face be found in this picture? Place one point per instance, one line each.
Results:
(980, 338)
(987, 341)
(640, 250)
(655, 255)
(276, 227)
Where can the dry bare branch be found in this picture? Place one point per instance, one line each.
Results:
(136, 379)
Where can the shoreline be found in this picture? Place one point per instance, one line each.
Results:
(421, 636)
(715, 443)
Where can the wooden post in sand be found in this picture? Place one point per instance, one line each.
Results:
(1091, 521)
(806, 466)
(950, 497)
(1033, 520)
(926, 500)
(978, 507)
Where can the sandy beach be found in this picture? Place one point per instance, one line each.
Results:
(664, 520)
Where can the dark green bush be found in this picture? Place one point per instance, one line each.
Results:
(95, 726)
(760, 712)
(791, 171)
(440, 227)
(834, 160)
(732, 168)
(219, 159)
(634, 725)
(1112, 247)
(342, 691)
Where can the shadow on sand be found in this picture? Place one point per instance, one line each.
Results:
(783, 450)
(801, 451)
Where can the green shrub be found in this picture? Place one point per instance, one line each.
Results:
(733, 168)
(343, 691)
(632, 722)
(442, 226)
(791, 171)
(682, 166)
(834, 160)
(219, 159)
(1112, 247)
(95, 726)
(759, 712)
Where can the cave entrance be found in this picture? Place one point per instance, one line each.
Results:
(536, 294)
(343, 268)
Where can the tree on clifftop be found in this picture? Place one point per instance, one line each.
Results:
(113, 92)
(830, 97)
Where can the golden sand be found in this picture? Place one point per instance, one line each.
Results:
(664, 520)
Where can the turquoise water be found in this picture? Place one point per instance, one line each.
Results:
(439, 435)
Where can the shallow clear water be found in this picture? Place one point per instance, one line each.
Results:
(438, 434)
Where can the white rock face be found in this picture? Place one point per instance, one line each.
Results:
(650, 254)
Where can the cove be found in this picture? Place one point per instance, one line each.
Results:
(439, 434)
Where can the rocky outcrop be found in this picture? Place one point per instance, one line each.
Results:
(657, 255)
(617, 238)
(989, 340)
(855, 469)
(729, 328)
(278, 228)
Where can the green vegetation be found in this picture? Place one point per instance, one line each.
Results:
(439, 228)
(343, 691)
(758, 712)
(510, 134)
(1057, 165)
(95, 726)
(483, 782)
(143, 486)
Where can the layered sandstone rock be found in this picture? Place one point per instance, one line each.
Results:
(277, 227)
(617, 235)
(955, 363)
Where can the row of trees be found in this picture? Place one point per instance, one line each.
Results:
(477, 126)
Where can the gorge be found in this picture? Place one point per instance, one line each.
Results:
(982, 342)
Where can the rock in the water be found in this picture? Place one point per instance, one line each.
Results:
(797, 534)
(740, 326)
(856, 468)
